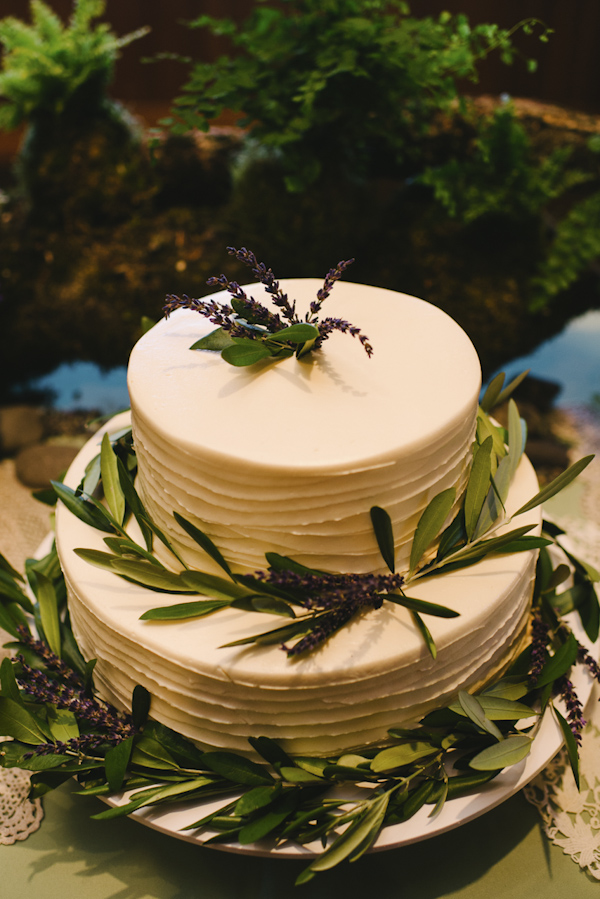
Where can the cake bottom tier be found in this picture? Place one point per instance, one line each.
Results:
(375, 674)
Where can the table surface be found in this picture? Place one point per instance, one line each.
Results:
(503, 855)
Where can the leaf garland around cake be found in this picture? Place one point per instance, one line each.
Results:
(249, 332)
(317, 604)
(60, 729)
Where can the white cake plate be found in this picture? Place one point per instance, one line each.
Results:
(421, 826)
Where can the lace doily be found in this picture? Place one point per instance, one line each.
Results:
(571, 817)
(19, 816)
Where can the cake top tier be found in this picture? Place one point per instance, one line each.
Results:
(335, 409)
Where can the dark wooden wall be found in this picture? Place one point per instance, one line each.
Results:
(568, 73)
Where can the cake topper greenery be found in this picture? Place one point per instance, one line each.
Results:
(60, 728)
(249, 332)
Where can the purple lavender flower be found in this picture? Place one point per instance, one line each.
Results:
(247, 318)
(43, 689)
(333, 275)
(539, 642)
(329, 325)
(575, 717)
(217, 313)
(61, 687)
(266, 277)
(327, 625)
(586, 659)
(334, 598)
(51, 661)
(85, 744)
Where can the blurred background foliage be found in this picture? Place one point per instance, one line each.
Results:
(310, 131)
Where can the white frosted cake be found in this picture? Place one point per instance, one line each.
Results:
(289, 457)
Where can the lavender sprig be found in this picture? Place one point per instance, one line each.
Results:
(575, 717)
(218, 313)
(329, 591)
(245, 319)
(266, 277)
(51, 661)
(539, 641)
(329, 325)
(333, 275)
(335, 598)
(584, 657)
(60, 686)
(83, 745)
(43, 689)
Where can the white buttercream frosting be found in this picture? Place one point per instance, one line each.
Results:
(290, 456)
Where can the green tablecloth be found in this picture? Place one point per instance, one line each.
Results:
(502, 855)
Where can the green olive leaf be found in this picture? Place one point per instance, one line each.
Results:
(270, 750)
(18, 723)
(501, 755)
(422, 606)
(555, 486)
(473, 710)
(464, 783)
(11, 590)
(150, 753)
(279, 635)
(511, 387)
(116, 762)
(237, 769)
(203, 541)
(403, 754)
(497, 708)
(245, 351)
(256, 798)
(134, 503)
(183, 610)
(63, 724)
(430, 524)
(279, 811)
(570, 744)
(299, 333)
(46, 597)
(493, 390)
(140, 706)
(111, 483)
(6, 568)
(272, 606)
(560, 663)
(478, 484)
(215, 586)
(83, 508)
(510, 687)
(149, 575)
(357, 837)
(217, 340)
(425, 633)
(10, 688)
(384, 534)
